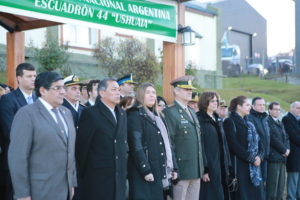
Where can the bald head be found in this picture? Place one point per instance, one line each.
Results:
(295, 108)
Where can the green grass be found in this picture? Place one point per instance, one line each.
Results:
(251, 86)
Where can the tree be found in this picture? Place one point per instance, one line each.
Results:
(51, 56)
(128, 56)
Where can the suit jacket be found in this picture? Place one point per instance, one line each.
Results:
(9, 104)
(101, 153)
(292, 128)
(75, 114)
(186, 140)
(41, 160)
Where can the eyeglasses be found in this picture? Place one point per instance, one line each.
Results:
(58, 88)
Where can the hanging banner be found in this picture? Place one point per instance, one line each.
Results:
(134, 15)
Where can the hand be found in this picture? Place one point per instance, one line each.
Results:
(205, 178)
(72, 192)
(174, 175)
(149, 177)
(286, 153)
(257, 161)
(26, 198)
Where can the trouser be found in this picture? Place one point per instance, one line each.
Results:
(293, 186)
(264, 174)
(275, 180)
(187, 190)
(6, 189)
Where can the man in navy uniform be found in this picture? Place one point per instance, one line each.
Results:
(92, 88)
(9, 105)
(72, 97)
(126, 84)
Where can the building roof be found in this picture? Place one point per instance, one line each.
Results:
(199, 7)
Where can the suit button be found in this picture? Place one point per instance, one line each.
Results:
(125, 141)
(115, 141)
(162, 154)
(184, 126)
(117, 157)
(179, 159)
(158, 132)
(164, 165)
(185, 132)
(165, 176)
(160, 143)
(144, 166)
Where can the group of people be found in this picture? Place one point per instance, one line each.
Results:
(120, 144)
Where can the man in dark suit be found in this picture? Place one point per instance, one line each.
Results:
(72, 97)
(9, 105)
(101, 146)
(291, 123)
(41, 153)
(92, 90)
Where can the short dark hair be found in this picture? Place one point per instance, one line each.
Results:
(239, 100)
(45, 79)
(204, 99)
(89, 87)
(272, 105)
(24, 66)
(255, 99)
(103, 84)
(159, 98)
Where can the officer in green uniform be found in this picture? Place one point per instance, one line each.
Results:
(184, 130)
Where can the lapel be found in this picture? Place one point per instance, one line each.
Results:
(20, 97)
(106, 112)
(120, 119)
(183, 113)
(34, 97)
(69, 122)
(50, 120)
(147, 117)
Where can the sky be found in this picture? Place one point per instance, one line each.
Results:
(280, 16)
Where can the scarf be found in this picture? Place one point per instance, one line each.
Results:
(253, 138)
(164, 133)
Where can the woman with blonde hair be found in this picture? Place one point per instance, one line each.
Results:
(151, 167)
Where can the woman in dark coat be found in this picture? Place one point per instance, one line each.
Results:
(246, 151)
(215, 180)
(151, 166)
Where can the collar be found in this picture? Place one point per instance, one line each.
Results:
(25, 94)
(275, 119)
(297, 117)
(112, 110)
(75, 106)
(181, 105)
(91, 102)
(46, 104)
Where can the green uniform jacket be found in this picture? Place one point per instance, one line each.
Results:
(186, 140)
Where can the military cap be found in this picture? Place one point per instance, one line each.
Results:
(183, 82)
(71, 80)
(126, 79)
(195, 96)
(223, 103)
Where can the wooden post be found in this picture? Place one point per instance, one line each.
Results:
(173, 61)
(15, 56)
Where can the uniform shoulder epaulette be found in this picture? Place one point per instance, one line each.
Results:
(171, 105)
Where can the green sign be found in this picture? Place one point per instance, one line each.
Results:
(136, 15)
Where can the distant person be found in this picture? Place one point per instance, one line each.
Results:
(258, 116)
(279, 151)
(9, 105)
(151, 165)
(161, 103)
(215, 180)
(92, 88)
(72, 97)
(127, 102)
(222, 110)
(101, 146)
(193, 103)
(246, 151)
(291, 123)
(41, 153)
(127, 85)
(84, 97)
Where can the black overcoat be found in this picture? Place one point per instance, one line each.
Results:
(75, 114)
(101, 153)
(292, 128)
(236, 131)
(217, 157)
(146, 155)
